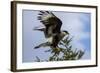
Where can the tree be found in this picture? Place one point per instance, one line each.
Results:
(64, 51)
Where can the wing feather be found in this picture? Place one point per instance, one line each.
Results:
(50, 21)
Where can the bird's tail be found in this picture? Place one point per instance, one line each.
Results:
(42, 45)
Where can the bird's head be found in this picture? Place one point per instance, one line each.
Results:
(65, 33)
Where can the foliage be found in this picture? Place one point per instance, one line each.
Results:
(64, 51)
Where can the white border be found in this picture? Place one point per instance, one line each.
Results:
(34, 65)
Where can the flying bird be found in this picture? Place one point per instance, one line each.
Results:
(52, 29)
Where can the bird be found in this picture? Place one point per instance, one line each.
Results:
(52, 29)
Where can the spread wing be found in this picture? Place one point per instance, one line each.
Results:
(50, 21)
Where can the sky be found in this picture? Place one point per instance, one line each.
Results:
(76, 23)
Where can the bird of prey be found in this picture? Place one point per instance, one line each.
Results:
(52, 29)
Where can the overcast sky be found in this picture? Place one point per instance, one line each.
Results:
(77, 24)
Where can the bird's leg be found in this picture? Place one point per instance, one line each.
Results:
(56, 50)
(43, 45)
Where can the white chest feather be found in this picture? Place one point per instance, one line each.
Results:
(50, 39)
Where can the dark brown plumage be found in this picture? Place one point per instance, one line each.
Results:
(52, 29)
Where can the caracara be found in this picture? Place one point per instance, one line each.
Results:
(52, 29)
